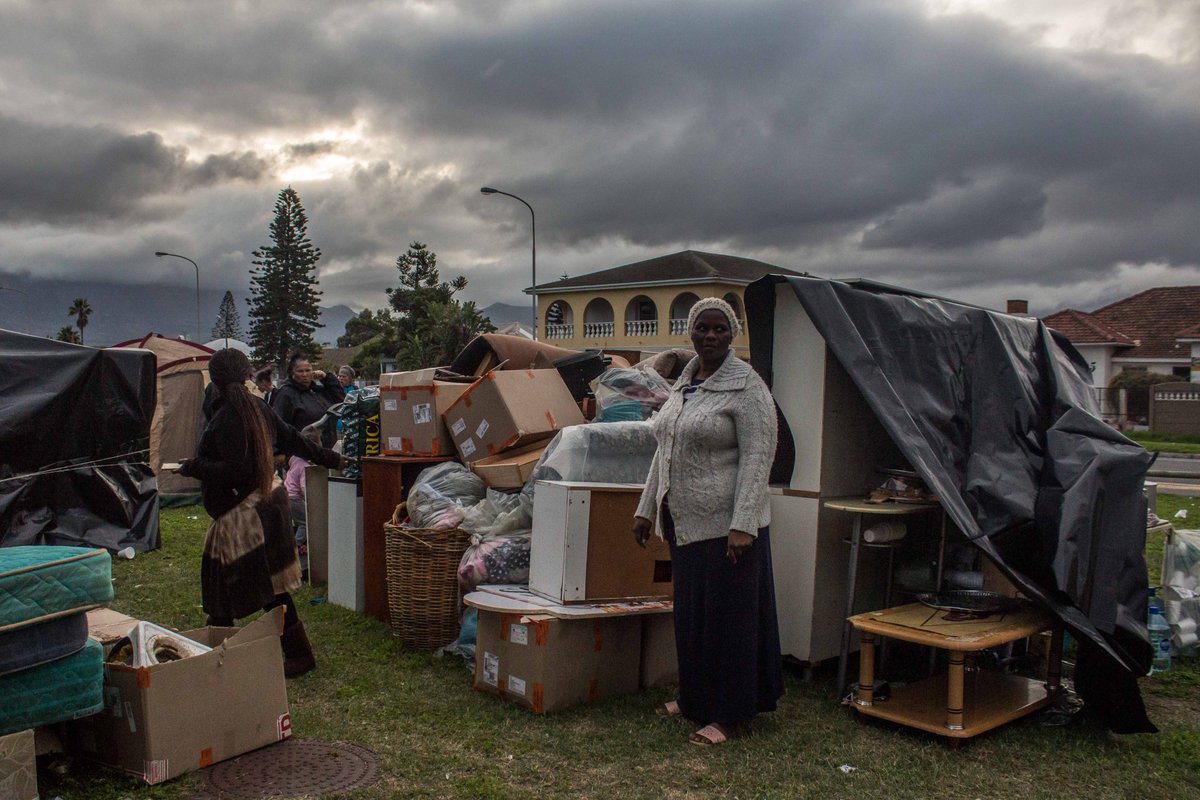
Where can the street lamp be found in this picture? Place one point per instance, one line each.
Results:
(533, 239)
(160, 254)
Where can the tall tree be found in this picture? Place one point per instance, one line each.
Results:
(283, 303)
(366, 325)
(433, 325)
(68, 334)
(80, 310)
(228, 324)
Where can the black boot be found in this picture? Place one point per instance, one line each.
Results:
(297, 652)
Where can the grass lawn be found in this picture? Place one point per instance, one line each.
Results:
(1159, 442)
(437, 738)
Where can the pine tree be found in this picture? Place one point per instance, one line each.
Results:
(433, 325)
(283, 303)
(228, 324)
(80, 310)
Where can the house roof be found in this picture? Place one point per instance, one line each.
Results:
(1146, 325)
(687, 266)
(1083, 328)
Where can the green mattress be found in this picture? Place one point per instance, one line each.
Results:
(67, 688)
(40, 583)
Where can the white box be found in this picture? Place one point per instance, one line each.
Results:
(583, 548)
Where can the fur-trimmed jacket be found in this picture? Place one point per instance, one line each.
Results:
(714, 454)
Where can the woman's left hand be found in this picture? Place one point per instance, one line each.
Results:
(739, 542)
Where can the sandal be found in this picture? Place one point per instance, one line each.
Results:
(708, 736)
(668, 709)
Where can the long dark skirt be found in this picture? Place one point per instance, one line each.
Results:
(249, 557)
(726, 631)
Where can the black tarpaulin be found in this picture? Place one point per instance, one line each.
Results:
(74, 433)
(996, 413)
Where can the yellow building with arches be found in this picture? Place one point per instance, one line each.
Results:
(644, 306)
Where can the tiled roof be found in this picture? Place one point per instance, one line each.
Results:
(1083, 328)
(683, 266)
(1151, 321)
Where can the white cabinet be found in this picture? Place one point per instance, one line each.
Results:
(345, 545)
(839, 446)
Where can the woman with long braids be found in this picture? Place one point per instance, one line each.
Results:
(250, 558)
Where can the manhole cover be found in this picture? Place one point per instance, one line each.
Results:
(292, 768)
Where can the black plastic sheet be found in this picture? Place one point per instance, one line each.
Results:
(74, 435)
(997, 414)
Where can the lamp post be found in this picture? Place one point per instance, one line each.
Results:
(160, 254)
(532, 238)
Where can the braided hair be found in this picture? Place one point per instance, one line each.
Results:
(229, 369)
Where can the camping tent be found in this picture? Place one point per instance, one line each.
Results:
(74, 432)
(178, 420)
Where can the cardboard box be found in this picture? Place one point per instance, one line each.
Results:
(547, 664)
(411, 405)
(510, 408)
(660, 665)
(18, 767)
(510, 469)
(162, 721)
(583, 549)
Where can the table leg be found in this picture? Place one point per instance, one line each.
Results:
(938, 576)
(851, 575)
(865, 695)
(1054, 661)
(954, 692)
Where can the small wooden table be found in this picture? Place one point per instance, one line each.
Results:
(966, 701)
(859, 507)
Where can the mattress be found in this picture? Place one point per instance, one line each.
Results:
(39, 583)
(63, 689)
(22, 648)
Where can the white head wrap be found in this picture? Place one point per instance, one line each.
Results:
(717, 303)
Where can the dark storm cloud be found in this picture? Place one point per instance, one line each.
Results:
(68, 174)
(845, 136)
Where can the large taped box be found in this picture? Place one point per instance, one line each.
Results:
(18, 767)
(164, 720)
(411, 405)
(582, 549)
(510, 408)
(547, 664)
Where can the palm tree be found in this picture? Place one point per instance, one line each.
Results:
(81, 310)
(67, 334)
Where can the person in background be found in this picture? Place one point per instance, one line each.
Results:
(293, 481)
(346, 376)
(264, 381)
(706, 494)
(303, 398)
(249, 560)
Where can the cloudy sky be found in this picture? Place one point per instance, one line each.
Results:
(972, 148)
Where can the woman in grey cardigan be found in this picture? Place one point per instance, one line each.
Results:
(706, 494)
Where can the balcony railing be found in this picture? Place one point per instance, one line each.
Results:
(598, 330)
(641, 327)
(561, 330)
(679, 327)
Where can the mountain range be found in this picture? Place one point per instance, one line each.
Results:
(122, 311)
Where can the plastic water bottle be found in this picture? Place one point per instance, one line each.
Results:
(1160, 640)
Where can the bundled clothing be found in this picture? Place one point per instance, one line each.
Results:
(249, 553)
(716, 442)
(293, 482)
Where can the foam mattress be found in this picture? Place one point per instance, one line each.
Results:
(67, 688)
(40, 583)
(22, 648)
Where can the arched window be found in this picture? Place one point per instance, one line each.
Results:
(641, 317)
(735, 303)
(680, 307)
(598, 319)
(560, 321)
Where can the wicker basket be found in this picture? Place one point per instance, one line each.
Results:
(422, 582)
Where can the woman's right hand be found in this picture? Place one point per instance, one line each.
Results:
(641, 530)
